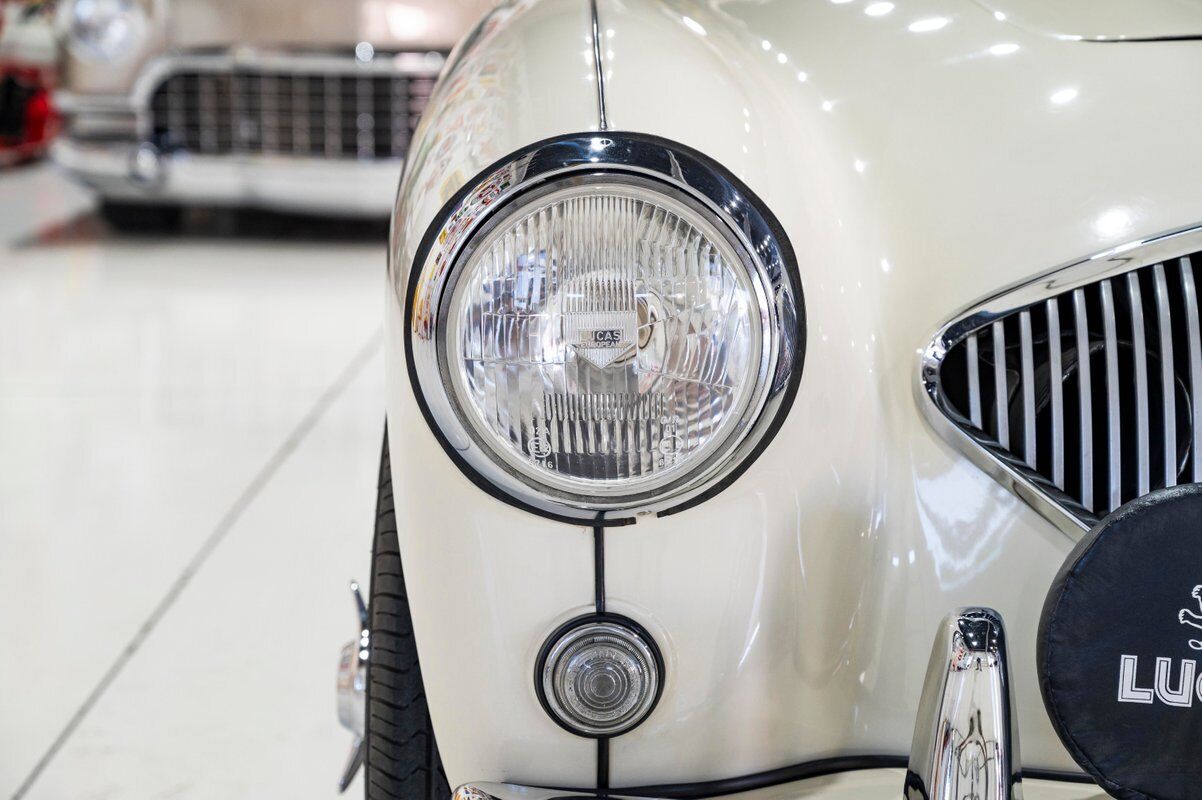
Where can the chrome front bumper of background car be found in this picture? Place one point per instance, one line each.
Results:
(965, 737)
(129, 172)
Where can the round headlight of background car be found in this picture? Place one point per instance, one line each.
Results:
(103, 30)
(605, 325)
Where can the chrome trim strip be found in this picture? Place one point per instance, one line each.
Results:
(1114, 424)
(1143, 450)
(1168, 378)
(1195, 359)
(1085, 398)
(1001, 387)
(1059, 509)
(1056, 368)
(666, 167)
(1028, 380)
(966, 734)
(599, 64)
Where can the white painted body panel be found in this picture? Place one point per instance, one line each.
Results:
(914, 173)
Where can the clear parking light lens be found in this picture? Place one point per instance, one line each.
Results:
(103, 30)
(606, 338)
(600, 679)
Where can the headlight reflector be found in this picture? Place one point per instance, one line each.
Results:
(103, 30)
(605, 337)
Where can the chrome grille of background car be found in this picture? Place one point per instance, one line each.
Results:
(365, 115)
(1116, 425)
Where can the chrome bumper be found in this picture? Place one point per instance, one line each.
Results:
(127, 171)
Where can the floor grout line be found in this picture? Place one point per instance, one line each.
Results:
(215, 537)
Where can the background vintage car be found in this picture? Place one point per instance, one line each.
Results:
(291, 104)
(28, 121)
(920, 156)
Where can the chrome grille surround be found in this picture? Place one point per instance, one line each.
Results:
(1136, 306)
(250, 103)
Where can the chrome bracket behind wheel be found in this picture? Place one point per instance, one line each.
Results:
(966, 737)
(352, 690)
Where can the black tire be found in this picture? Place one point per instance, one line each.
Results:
(141, 217)
(402, 761)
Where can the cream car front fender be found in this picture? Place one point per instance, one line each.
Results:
(915, 169)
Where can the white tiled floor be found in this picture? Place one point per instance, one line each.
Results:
(189, 434)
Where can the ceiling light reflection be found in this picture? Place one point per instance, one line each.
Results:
(1062, 96)
(1114, 223)
(878, 9)
(1003, 49)
(693, 25)
(928, 25)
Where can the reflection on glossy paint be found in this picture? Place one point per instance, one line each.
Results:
(389, 20)
(1113, 224)
(928, 25)
(693, 25)
(801, 76)
(1064, 96)
(963, 526)
(1003, 49)
(878, 9)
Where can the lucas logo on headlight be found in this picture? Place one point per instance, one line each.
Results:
(602, 346)
(601, 338)
(605, 337)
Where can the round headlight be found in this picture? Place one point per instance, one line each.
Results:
(605, 339)
(103, 30)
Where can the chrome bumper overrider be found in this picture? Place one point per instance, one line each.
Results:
(965, 737)
(352, 690)
(130, 172)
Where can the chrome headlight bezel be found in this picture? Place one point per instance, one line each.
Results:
(673, 170)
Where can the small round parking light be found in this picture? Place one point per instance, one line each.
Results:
(599, 676)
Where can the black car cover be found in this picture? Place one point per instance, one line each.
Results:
(1120, 642)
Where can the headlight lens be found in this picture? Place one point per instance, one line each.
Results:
(103, 30)
(605, 337)
(603, 326)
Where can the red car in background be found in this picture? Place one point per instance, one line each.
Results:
(28, 121)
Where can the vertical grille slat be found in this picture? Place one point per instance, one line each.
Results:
(1092, 395)
(1000, 384)
(974, 382)
(1114, 424)
(1194, 336)
(1168, 377)
(1139, 352)
(222, 109)
(1027, 354)
(1056, 367)
(1085, 399)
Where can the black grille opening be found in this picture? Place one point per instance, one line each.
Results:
(1091, 393)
